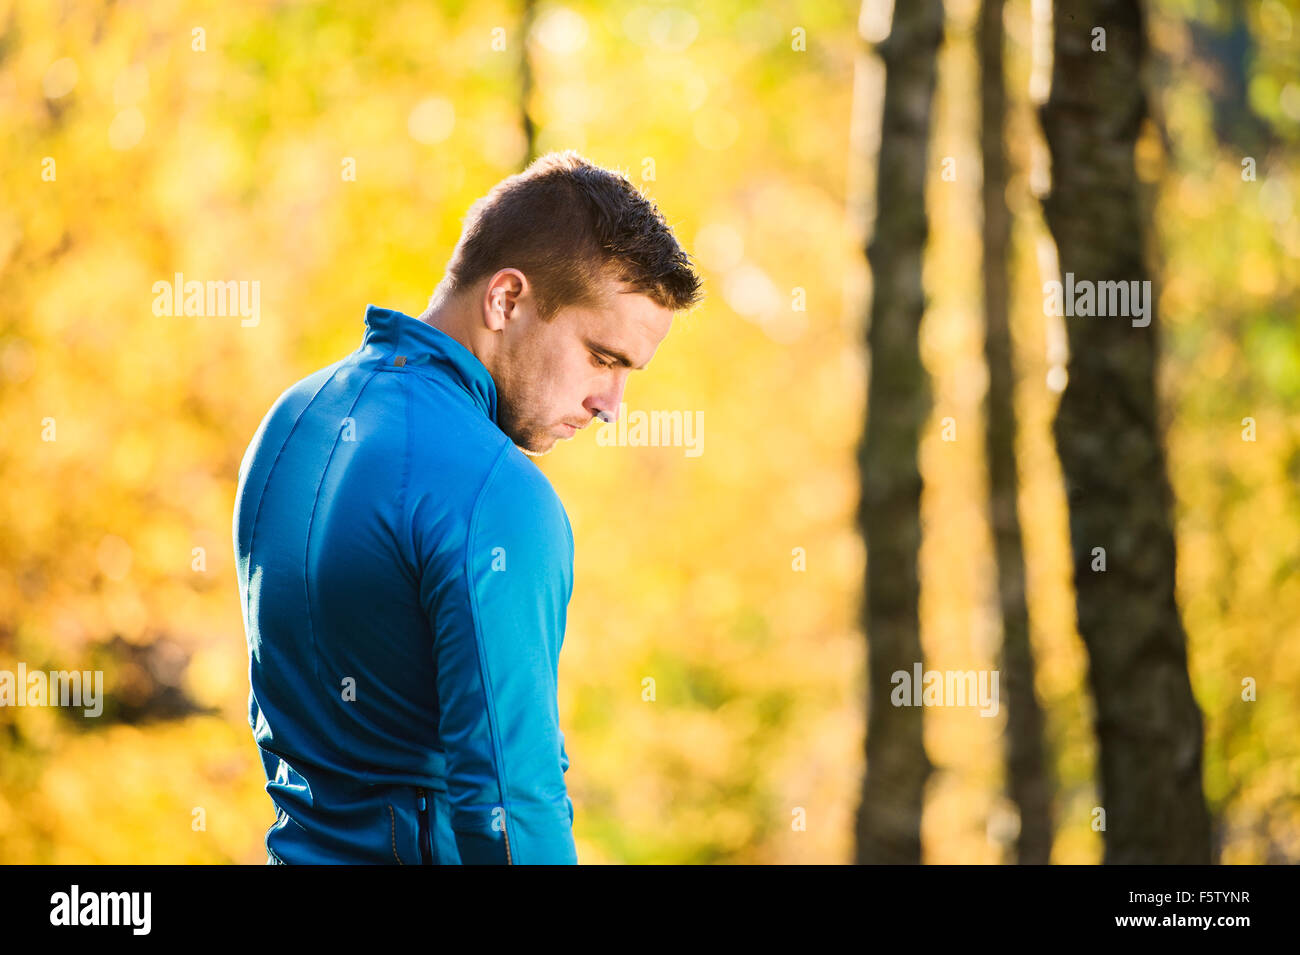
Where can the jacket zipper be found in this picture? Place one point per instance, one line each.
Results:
(506, 832)
(426, 836)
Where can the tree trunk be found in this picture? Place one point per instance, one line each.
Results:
(889, 816)
(1148, 725)
(526, 21)
(1027, 779)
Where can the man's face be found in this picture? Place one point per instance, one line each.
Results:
(553, 377)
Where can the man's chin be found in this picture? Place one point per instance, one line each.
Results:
(537, 448)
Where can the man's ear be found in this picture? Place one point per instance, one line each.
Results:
(494, 305)
(497, 299)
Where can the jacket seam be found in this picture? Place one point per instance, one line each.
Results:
(404, 527)
(498, 757)
(270, 473)
(393, 819)
(311, 526)
(402, 370)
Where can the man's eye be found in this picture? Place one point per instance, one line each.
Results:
(599, 363)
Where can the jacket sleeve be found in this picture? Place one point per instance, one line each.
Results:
(498, 629)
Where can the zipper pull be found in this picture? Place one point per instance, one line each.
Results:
(420, 793)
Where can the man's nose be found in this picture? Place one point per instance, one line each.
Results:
(604, 405)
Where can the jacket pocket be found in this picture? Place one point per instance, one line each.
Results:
(483, 840)
(409, 812)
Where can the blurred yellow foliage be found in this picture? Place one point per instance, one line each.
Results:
(229, 163)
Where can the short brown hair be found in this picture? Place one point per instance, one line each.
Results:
(566, 224)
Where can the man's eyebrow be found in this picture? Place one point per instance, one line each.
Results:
(614, 353)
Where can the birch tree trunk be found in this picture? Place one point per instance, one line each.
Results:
(1027, 779)
(889, 815)
(1148, 725)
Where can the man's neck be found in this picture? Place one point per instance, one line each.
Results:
(454, 316)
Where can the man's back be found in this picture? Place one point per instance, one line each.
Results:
(405, 573)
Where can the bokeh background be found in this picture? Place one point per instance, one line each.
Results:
(213, 139)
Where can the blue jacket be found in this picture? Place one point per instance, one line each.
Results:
(405, 573)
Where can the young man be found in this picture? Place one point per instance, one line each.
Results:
(405, 570)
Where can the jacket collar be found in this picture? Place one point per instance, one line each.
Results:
(398, 335)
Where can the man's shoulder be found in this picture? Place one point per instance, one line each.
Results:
(508, 507)
(276, 422)
(463, 460)
(518, 493)
(297, 395)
